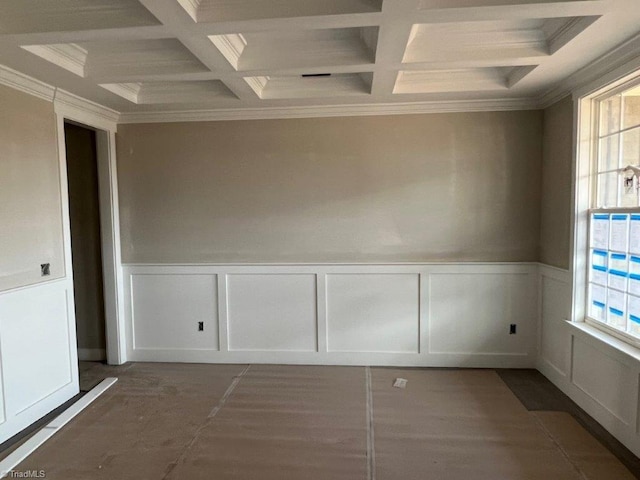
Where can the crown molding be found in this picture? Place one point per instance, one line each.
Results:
(128, 91)
(191, 7)
(331, 111)
(76, 108)
(69, 56)
(569, 31)
(24, 83)
(231, 45)
(257, 84)
(597, 72)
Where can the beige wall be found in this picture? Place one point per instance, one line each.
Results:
(446, 187)
(555, 210)
(30, 208)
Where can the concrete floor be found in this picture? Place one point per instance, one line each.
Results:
(178, 421)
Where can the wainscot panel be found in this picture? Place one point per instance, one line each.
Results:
(335, 314)
(597, 371)
(38, 362)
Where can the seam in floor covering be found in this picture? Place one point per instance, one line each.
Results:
(207, 421)
(228, 393)
(371, 455)
(558, 446)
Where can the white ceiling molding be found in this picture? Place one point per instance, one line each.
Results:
(25, 16)
(191, 7)
(331, 111)
(459, 80)
(203, 11)
(85, 111)
(257, 84)
(25, 83)
(567, 31)
(143, 56)
(615, 64)
(129, 91)
(231, 46)
(627, 53)
(67, 55)
(169, 93)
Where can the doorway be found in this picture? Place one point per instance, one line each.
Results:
(86, 241)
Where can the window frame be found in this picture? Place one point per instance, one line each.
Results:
(592, 104)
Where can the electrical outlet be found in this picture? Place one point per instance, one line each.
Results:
(45, 269)
(512, 329)
(201, 326)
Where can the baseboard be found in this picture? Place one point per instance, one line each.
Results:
(92, 354)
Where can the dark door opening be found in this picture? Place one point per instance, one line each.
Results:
(86, 243)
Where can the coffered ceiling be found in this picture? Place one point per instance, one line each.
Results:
(151, 56)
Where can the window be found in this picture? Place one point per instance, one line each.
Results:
(614, 217)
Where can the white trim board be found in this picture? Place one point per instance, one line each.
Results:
(76, 109)
(8, 464)
(322, 111)
(625, 55)
(25, 83)
(84, 111)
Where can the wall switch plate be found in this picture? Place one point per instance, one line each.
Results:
(45, 269)
(512, 329)
(201, 326)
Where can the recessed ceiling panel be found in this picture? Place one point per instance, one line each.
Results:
(434, 4)
(505, 41)
(206, 11)
(30, 16)
(149, 93)
(457, 80)
(110, 59)
(299, 49)
(311, 86)
(474, 40)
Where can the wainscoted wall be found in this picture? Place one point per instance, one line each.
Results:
(39, 371)
(396, 314)
(38, 358)
(599, 373)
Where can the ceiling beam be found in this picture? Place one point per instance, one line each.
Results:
(173, 16)
(393, 38)
(108, 34)
(573, 8)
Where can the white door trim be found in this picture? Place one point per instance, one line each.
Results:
(73, 108)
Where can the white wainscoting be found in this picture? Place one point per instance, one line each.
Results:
(397, 314)
(273, 312)
(38, 361)
(373, 313)
(597, 371)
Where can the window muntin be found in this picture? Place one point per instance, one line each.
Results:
(618, 145)
(614, 233)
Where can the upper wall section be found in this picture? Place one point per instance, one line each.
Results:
(446, 187)
(555, 227)
(30, 208)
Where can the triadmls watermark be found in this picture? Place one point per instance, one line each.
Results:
(24, 474)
